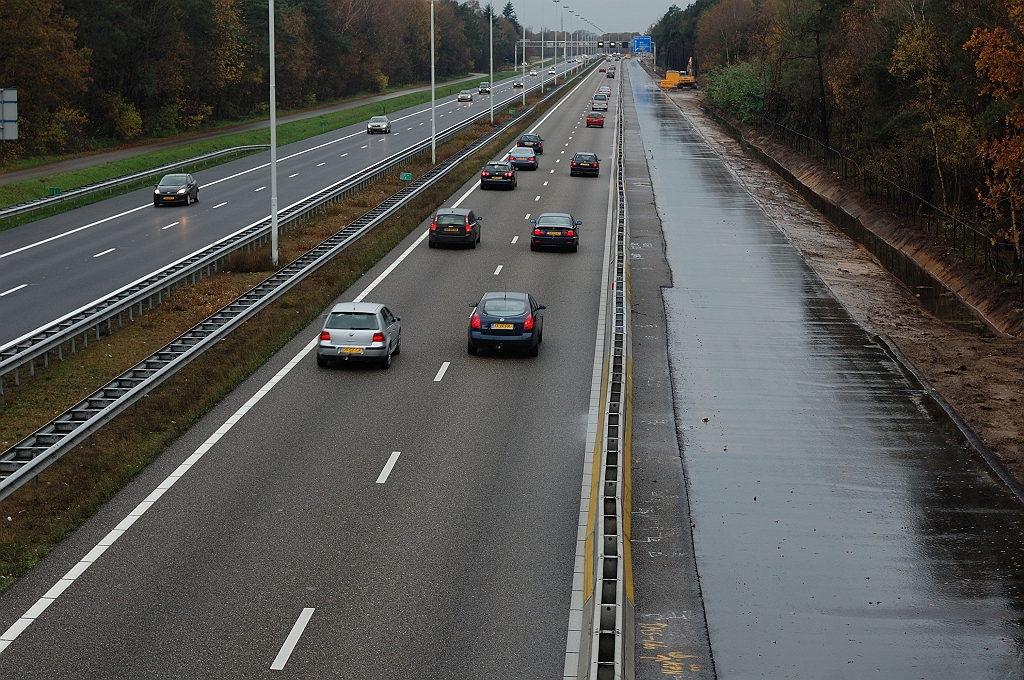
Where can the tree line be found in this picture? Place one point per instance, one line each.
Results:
(95, 72)
(927, 93)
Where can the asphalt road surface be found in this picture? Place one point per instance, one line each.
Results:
(55, 266)
(419, 522)
(838, 534)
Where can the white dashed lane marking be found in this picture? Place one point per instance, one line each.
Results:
(25, 285)
(441, 371)
(220, 205)
(388, 467)
(260, 189)
(294, 174)
(498, 270)
(514, 239)
(108, 250)
(172, 224)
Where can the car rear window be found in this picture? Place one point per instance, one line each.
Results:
(352, 321)
(555, 221)
(451, 219)
(529, 138)
(504, 307)
(589, 157)
(600, 97)
(523, 151)
(496, 167)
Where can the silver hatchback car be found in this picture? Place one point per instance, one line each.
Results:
(359, 331)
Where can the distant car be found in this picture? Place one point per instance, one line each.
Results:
(555, 230)
(599, 102)
(585, 163)
(380, 124)
(604, 89)
(466, 96)
(359, 331)
(595, 119)
(533, 141)
(610, 73)
(176, 188)
(523, 157)
(455, 226)
(533, 73)
(601, 69)
(552, 71)
(506, 320)
(484, 88)
(500, 174)
(518, 83)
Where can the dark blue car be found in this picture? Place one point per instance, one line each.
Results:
(506, 321)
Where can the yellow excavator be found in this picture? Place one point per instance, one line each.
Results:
(676, 80)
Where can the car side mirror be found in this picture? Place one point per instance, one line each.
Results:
(473, 304)
(479, 217)
(579, 223)
(541, 307)
(398, 318)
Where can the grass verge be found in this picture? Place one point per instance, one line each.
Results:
(13, 194)
(34, 520)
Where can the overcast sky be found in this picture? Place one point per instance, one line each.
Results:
(611, 16)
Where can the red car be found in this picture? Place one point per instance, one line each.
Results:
(595, 119)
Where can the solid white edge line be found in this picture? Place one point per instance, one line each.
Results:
(293, 639)
(16, 288)
(388, 467)
(441, 371)
(575, 628)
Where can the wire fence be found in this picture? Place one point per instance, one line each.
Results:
(969, 240)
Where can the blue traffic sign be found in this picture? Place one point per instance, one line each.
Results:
(642, 44)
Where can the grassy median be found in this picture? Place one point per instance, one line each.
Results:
(34, 520)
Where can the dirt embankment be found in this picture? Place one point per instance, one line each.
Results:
(982, 378)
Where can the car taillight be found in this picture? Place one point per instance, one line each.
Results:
(378, 337)
(467, 222)
(538, 232)
(324, 335)
(528, 324)
(485, 174)
(433, 226)
(474, 322)
(508, 174)
(570, 233)
(533, 158)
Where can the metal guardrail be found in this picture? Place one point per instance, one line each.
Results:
(39, 450)
(607, 642)
(141, 294)
(106, 185)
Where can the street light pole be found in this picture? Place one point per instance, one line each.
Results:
(524, 53)
(433, 119)
(490, 95)
(273, 143)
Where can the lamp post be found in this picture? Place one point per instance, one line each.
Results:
(490, 86)
(273, 143)
(524, 54)
(433, 119)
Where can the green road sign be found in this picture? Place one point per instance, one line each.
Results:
(55, 191)
(511, 112)
(405, 176)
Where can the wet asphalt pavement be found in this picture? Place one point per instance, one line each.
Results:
(837, 533)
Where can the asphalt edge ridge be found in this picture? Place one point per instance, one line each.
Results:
(947, 418)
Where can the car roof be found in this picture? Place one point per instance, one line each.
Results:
(358, 307)
(554, 214)
(528, 134)
(453, 211)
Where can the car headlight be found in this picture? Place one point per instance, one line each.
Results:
(156, 191)
(182, 190)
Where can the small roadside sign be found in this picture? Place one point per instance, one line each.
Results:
(405, 176)
(511, 112)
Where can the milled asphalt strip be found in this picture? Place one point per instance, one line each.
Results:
(292, 639)
(574, 636)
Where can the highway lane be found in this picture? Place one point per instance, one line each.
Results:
(55, 266)
(459, 564)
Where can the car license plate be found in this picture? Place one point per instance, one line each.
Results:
(502, 326)
(586, 165)
(554, 233)
(168, 198)
(350, 350)
(451, 229)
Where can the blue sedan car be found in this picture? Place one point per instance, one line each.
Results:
(506, 320)
(523, 157)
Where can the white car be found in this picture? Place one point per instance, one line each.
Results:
(466, 96)
(552, 71)
(533, 73)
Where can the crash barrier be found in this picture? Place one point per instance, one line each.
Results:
(24, 461)
(135, 298)
(607, 640)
